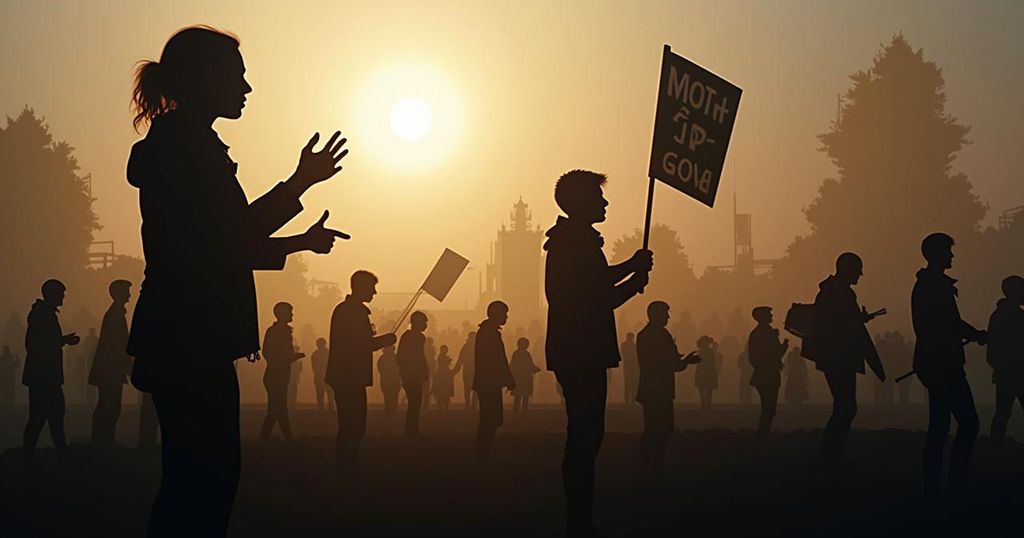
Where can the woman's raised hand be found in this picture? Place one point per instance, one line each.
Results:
(317, 166)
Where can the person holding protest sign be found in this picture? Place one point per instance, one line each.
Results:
(583, 292)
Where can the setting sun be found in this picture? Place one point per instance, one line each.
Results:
(411, 119)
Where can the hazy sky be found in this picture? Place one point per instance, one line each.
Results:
(520, 93)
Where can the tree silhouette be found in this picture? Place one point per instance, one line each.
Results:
(893, 146)
(46, 210)
(672, 276)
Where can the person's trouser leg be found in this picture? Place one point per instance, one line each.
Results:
(843, 387)
(319, 389)
(1004, 407)
(585, 398)
(104, 418)
(55, 419)
(201, 454)
(40, 401)
(961, 406)
(414, 399)
(490, 420)
(351, 403)
(935, 440)
(769, 401)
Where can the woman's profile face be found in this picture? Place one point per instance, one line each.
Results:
(228, 87)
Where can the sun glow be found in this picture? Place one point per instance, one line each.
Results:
(409, 116)
(411, 119)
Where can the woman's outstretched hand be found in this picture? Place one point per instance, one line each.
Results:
(320, 239)
(317, 166)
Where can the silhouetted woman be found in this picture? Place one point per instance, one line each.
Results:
(202, 240)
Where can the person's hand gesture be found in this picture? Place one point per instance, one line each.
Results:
(72, 339)
(390, 339)
(317, 166)
(320, 239)
(692, 358)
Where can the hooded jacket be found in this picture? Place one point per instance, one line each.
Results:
(44, 347)
(840, 338)
(939, 350)
(202, 240)
(582, 297)
(1005, 349)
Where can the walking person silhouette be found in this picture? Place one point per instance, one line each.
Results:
(111, 365)
(413, 369)
(279, 354)
(44, 371)
(583, 292)
(839, 347)
(1005, 353)
(468, 363)
(492, 375)
(939, 362)
(350, 370)
(202, 240)
(324, 393)
(523, 369)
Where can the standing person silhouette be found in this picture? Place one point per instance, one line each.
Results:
(659, 360)
(350, 370)
(523, 369)
(706, 377)
(939, 363)
(412, 368)
(202, 241)
(324, 393)
(1005, 353)
(766, 354)
(390, 382)
(444, 380)
(279, 352)
(111, 365)
(630, 369)
(492, 375)
(468, 364)
(44, 371)
(9, 363)
(839, 347)
(583, 292)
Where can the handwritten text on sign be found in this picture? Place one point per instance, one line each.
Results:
(692, 126)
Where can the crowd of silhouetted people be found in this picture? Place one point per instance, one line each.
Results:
(196, 315)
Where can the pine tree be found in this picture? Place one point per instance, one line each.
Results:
(894, 146)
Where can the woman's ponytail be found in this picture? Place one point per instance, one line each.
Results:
(148, 94)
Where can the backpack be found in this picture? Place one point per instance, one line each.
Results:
(800, 323)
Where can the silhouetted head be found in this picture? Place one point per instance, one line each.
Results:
(364, 286)
(321, 343)
(630, 337)
(762, 314)
(200, 72)
(849, 268)
(418, 321)
(1013, 289)
(578, 193)
(657, 313)
(53, 292)
(283, 312)
(497, 312)
(443, 350)
(523, 343)
(704, 342)
(937, 249)
(120, 291)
